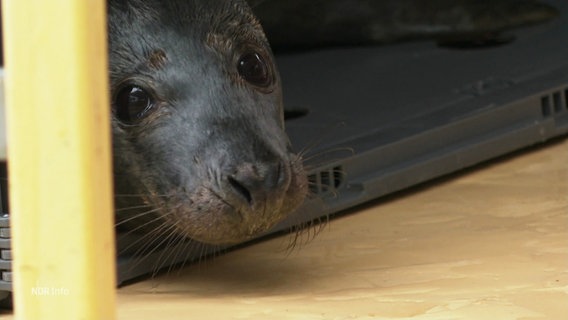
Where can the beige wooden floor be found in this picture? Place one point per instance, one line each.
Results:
(488, 244)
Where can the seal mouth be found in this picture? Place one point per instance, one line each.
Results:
(234, 212)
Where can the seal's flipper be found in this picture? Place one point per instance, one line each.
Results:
(301, 23)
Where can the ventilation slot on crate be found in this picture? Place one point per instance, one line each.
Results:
(326, 181)
(553, 103)
(545, 106)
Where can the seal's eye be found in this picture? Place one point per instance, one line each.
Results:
(132, 103)
(253, 68)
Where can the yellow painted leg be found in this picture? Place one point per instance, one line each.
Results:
(59, 159)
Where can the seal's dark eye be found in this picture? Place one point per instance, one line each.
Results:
(132, 103)
(254, 69)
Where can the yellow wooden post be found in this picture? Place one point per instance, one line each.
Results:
(59, 159)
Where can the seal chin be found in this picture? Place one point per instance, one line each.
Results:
(224, 227)
(237, 211)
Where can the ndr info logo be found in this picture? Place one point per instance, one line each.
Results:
(49, 291)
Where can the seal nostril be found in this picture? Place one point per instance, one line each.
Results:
(282, 175)
(240, 189)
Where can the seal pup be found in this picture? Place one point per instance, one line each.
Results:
(200, 150)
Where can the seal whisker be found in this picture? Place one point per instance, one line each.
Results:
(188, 248)
(137, 216)
(134, 195)
(142, 226)
(203, 255)
(173, 239)
(133, 207)
(304, 232)
(146, 241)
(128, 195)
(154, 243)
(325, 152)
(315, 141)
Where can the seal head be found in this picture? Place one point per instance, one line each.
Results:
(198, 128)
